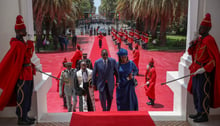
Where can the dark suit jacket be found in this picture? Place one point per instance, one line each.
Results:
(100, 75)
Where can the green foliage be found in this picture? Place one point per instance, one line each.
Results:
(85, 6)
(174, 43)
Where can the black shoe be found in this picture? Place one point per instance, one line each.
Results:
(150, 103)
(202, 118)
(31, 119)
(194, 116)
(24, 122)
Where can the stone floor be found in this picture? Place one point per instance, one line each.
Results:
(13, 122)
(214, 121)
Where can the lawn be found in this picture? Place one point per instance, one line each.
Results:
(174, 43)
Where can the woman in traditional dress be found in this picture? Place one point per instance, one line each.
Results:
(125, 92)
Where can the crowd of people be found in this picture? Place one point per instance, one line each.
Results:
(130, 37)
(103, 73)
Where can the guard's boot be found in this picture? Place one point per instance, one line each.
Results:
(194, 116)
(31, 119)
(202, 118)
(24, 122)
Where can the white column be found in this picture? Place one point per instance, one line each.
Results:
(27, 13)
(182, 99)
(192, 29)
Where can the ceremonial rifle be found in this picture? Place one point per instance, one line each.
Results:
(48, 74)
(177, 79)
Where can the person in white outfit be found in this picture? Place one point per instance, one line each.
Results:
(85, 89)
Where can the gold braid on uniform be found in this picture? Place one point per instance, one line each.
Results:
(22, 98)
(206, 94)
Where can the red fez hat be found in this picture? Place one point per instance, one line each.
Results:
(77, 46)
(207, 21)
(65, 60)
(19, 23)
(152, 61)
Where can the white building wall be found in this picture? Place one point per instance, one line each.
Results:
(8, 13)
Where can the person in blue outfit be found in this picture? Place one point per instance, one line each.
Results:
(125, 92)
(104, 71)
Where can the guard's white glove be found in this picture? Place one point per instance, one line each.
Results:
(199, 71)
(148, 66)
(147, 83)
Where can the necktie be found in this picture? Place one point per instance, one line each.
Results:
(105, 64)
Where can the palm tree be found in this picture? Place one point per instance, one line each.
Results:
(51, 13)
(153, 13)
(124, 7)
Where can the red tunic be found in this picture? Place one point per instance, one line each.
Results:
(151, 77)
(119, 40)
(136, 56)
(10, 68)
(100, 36)
(28, 71)
(77, 56)
(206, 52)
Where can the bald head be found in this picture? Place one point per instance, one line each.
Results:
(104, 54)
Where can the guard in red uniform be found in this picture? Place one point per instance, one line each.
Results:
(204, 84)
(136, 56)
(100, 36)
(150, 80)
(119, 42)
(76, 57)
(16, 72)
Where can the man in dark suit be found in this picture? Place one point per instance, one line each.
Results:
(103, 78)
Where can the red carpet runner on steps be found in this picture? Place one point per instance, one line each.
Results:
(98, 118)
(124, 118)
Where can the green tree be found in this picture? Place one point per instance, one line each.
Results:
(51, 13)
(153, 13)
(107, 7)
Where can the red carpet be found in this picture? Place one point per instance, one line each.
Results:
(96, 51)
(125, 118)
(164, 61)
